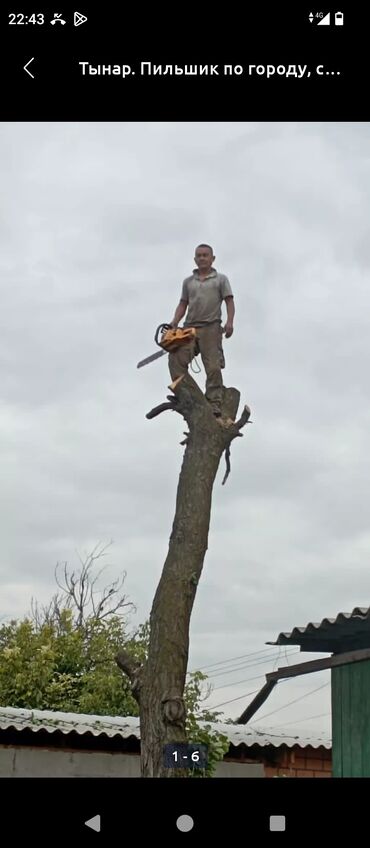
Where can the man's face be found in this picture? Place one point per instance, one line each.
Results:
(203, 258)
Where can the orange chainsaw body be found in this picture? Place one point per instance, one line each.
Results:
(173, 339)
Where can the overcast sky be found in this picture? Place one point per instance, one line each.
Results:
(98, 228)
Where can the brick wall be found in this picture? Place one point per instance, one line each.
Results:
(300, 762)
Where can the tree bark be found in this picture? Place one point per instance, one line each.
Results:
(159, 684)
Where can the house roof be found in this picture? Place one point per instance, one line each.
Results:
(19, 719)
(348, 631)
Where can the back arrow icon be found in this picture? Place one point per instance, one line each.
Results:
(25, 67)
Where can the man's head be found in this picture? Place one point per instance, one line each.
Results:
(204, 257)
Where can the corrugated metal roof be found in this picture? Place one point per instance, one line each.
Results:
(18, 719)
(68, 722)
(349, 630)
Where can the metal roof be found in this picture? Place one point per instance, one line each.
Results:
(35, 720)
(349, 630)
(19, 719)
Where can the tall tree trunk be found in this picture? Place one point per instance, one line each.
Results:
(159, 684)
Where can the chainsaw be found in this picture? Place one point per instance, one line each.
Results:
(171, 339)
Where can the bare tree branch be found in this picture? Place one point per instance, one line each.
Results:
(80, 593)
(133, 669)
(161, 408)
(227, 457)
(128, 663)
(244, 418)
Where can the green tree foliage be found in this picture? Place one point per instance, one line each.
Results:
(64, 667)
(62, 657)
(217, 743)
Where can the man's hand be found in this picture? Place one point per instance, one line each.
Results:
(228, 329)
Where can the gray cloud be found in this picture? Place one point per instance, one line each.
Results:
(98, 224)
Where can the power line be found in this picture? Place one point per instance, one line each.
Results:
(266, 652)
(237, 682)
(223, 686)
(239, 697)
(262, 661)
(301, 698)
(214, 706)
(233, 659)
(307, 718)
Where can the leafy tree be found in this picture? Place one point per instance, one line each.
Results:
(64, 667)
(217, 743)
(62, 657)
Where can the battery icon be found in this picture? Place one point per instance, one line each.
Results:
(338, 19)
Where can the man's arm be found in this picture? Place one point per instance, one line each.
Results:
(230, 310)
(179, 313)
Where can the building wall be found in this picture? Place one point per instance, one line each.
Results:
(351, 719)
(227, 769)
(301, 762)
(43, 762)
(40, 762)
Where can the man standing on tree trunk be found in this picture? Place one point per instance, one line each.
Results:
(202, 295)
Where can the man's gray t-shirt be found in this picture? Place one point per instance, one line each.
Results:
(204, 297)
